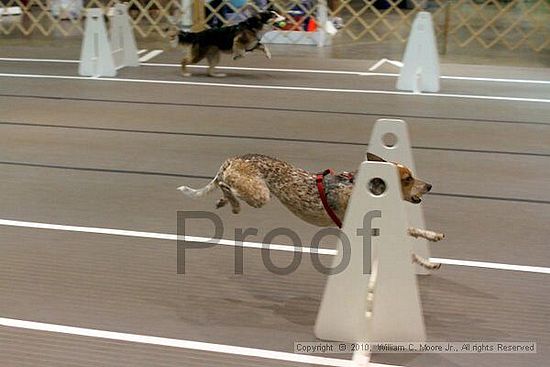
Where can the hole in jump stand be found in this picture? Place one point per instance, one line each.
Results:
(377, 186)
(389, 140)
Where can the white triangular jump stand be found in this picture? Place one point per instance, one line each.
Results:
(375, 298)
(96, 58)
(397, 148)
(420, 71)
(123, 42)
(99, 57)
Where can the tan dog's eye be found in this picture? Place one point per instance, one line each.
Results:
(409, 179)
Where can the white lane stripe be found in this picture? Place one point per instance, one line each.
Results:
(277, 87)
(359, 73)
(311, 71)
(256, 245)
(283, 70)
(491, 265)
(148, 56)
(139, 53)
(164, 236)
(175, 343)
(498, 80)
(21, 59)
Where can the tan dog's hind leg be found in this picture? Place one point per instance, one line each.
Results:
(248, 187)
(221, 203)
(228, 197)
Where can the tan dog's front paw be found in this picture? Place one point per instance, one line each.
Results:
(425, 263)
(436, 236)
(423, 233)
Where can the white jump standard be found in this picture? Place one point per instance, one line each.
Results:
(390, 140)
(98, 56)
(420, 70)
(375, 297)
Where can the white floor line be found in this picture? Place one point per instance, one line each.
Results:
(256, 245)
(277, 70)
(491, 265)
(148, 56)
(278, 87)
(22, 59)
(311, 71)
(380, 62)
(142, 51)
(177, 343)
(163, 236)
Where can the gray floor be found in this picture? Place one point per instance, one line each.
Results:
(106, 154)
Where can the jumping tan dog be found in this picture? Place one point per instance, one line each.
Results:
(254, 177)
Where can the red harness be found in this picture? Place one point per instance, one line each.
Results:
(323, 195)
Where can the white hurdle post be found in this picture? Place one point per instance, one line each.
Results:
(390, 140)
(123, 42)
(96, 58)
(420, 70)
(375, 298)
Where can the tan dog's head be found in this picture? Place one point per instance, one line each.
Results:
(412, 188)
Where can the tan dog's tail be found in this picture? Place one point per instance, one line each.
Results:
(199, 193)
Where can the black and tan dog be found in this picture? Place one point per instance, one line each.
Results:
(235, 39)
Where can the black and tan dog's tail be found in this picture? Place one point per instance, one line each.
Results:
(199, 193)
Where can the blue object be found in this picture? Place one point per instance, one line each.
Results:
(238, 3)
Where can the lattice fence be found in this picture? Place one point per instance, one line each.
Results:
(510, 24)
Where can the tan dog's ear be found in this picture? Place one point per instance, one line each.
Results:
(374, 158)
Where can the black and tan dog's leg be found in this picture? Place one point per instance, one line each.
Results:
(184, 62)
(228, 197)
(194, 55)
(264, 49)
(213, 58)
(239, 48)
(190, 56)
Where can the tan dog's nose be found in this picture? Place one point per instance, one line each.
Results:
(428, 187)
